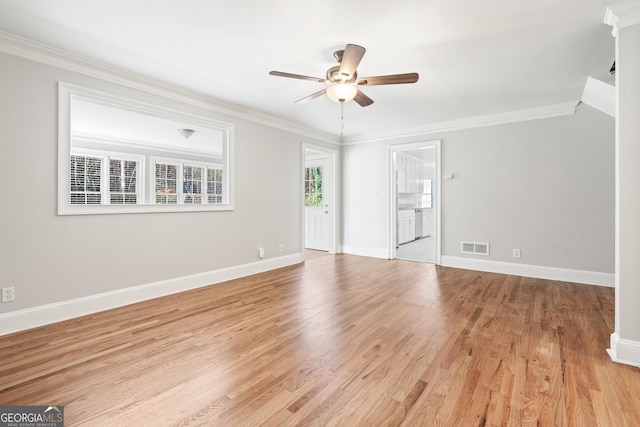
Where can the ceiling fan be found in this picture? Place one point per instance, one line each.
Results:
(343, 81)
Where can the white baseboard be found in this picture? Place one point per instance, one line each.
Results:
(536, 271)
(624, 351)
(21, 320)
(364, 251)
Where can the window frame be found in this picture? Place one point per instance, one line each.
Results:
(105, 172)
(86, 193)
(180, 165)
(152, 179)
(122, 157)
(426, 197)
(65, 93)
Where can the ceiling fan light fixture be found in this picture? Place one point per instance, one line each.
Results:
(343, 82)
(341, 92)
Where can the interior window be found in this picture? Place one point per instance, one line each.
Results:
(166, 184)
(119, 155)
(100, 178)
(214, 185)
(123, 181)
(85, 181)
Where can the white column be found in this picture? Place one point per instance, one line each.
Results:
(625, 340)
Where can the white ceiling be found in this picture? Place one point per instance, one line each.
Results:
(474, 57)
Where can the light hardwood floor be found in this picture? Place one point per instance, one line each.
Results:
(339, 340)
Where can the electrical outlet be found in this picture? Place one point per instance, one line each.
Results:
(261, 253)
(280, 248)
(516, 253)
(8, 294)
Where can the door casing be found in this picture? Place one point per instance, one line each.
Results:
(330, 191)
(393, 199)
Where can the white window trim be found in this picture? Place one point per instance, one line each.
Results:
(65, 91)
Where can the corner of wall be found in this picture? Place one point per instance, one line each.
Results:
(624, 351)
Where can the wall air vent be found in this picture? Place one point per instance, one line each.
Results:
(475, 248)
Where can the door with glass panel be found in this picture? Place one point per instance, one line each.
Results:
(316, 205)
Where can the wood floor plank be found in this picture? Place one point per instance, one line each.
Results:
(339, 340)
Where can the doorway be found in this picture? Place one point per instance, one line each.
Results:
(319, 187)
(415, 231)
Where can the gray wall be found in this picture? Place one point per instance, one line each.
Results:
(543, 186)
(51, 258)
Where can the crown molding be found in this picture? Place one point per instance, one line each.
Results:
(557, 110)
(622, 15)
(45, 54)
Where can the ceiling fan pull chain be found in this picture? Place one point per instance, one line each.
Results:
(341, 118)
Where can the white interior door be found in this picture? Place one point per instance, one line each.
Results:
(316, 200)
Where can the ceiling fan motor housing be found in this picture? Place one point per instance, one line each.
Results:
(334, 76)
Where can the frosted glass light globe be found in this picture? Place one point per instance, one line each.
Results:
(341, 92)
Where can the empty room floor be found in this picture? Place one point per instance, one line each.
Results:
(338, 340)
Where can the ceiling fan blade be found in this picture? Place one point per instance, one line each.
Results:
(297, 76)
(350, 59)
(392, 79)
(362, 99)
(310, 97)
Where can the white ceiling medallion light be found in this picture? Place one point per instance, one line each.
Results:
(186, 133)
